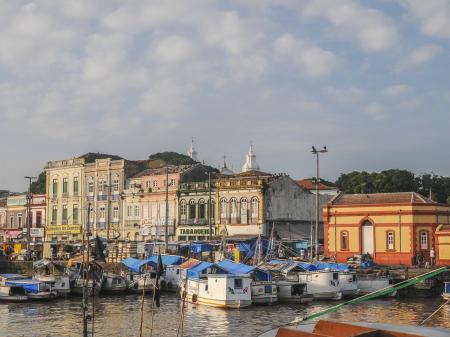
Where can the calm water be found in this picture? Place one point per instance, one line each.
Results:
(120, 316)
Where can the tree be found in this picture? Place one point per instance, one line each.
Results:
(172, 158)
(38, 186)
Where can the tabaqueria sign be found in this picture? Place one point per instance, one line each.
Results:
(195, 231)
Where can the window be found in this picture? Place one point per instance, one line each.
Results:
(116, 185)
(136, 211)
(183, 207)
(237, 283)
(424, 240)
(11, 219)
(172, 182)
(54, 214)
(129, 211)
(244, 211)
(38, 219)
(155, 183)
(101, 186)
(233, 208)
(223, 208)
(116, 212)
(64, 214)
(55, 186)
(64, 185)
(147, 184)
(91, 187)
(192, 214)
(75, 214)
(390, 240)
(75, 185)
(254, 207)
(19, 219)
(344, 240)
(201, 209)
(102, 212)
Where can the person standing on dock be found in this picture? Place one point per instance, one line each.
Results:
(432, 257)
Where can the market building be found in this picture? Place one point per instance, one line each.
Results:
(391, 227)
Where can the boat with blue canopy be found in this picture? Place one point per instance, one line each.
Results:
(348, 281)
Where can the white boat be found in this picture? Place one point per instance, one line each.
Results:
(322, 284)
(114, 284)
(347, 277)
(368, 283)
(137, 282)
(292, 291)
(77, 285)
(35, 290)
(13, 294)
(52, 274)
(446, 293)
(171, 278)
(204, 286)
(264, 292)
(78, 276)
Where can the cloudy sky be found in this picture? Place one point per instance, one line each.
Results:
(370, 79)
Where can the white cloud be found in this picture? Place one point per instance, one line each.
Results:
(419, 56)
(433, 16)
(173, 49)
(313, 61)
(373, 30)
(375, 111)
(396, 90)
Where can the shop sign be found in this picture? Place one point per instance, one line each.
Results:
(64, 230)
(37, 232)
(195, 231)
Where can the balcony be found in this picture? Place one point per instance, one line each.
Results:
(102, 197)
(101, 225)
(115, 197)
(195, 221)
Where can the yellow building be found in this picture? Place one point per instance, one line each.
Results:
(391, 227)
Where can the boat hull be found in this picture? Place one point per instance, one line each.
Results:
(332, 295)
(225, 304)
(14, 298)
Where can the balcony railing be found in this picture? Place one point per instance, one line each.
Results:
(195, 221)
(102, 197)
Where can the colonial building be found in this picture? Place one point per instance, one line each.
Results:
(105, 177)
(3, 223)
(16, 215)
(132, 224)
(65, 203)
(38, 212)
(390, 227)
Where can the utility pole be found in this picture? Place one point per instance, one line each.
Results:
(209, 205)
(166, 229)
(317, 152)
(29, 198)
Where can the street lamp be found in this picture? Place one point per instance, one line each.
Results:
(316, 153)
(29, 198)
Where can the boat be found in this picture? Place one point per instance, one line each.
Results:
(348, 283)
(82, 280)
(342, 329)
(264, 289)
(139, 276)
(13, 294)
(114, 284)
(446, 293)
(208, 284)
(34, 290)
(52, 274)
(171, 275)
(368, 283)
(322, 284)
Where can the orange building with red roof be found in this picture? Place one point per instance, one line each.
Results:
(388, 226)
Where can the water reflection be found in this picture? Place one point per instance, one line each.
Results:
(120, 316)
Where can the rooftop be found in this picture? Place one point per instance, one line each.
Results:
(309, 184)
(381, 198)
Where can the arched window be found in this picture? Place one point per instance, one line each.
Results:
(192, 214)
(223, 209)
(90, 187)
(183, 208)
(344, 240)
(233, 208)
(423, 240)
(244, 211)
(390, 240)
(116, 184)
(201, 209)
(211, 209)
(254, 208)
(101, 186)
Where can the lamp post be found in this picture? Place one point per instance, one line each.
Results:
(316, 153)
(209, 205)
(166, 227)
(29, 198)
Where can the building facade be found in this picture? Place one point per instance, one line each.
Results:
(16, 217)
(391, 227)
(65, 202)
(38, 210)
(132, 224)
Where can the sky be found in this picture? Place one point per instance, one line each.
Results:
(368, 79)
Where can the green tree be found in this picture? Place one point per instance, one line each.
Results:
(38, 186)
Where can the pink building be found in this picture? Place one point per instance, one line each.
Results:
(38, 206)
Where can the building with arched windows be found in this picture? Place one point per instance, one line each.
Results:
(391, 227)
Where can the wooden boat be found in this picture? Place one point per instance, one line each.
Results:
(114, 284)
(339, 329)
(446, 293)
(80, 277)
(13, 294)
(348, 284)
(137, 282)
(171, 278)
(52, 274)
(34, 290)
(292, 291)
(206, 287)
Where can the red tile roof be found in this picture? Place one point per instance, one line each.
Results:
(381, 198)
(310, 185)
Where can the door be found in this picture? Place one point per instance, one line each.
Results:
(367, 238)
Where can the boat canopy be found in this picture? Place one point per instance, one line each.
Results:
(195, 271)
(166, 260)
(304, 265)
(30, 286)
(241, 269)
(135, 264)
(197, 248)
(247, 248)
(333, 266)
(189, 263)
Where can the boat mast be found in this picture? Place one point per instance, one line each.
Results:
(85, 271)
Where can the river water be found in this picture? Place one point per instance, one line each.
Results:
(120, 316)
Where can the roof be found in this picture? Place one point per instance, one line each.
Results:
(135, 264)
(195, 271)
(381, 198)
(310, 185)
(235, 268)
(189, 263)
(166, 260)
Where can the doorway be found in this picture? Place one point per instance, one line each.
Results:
(367, 237)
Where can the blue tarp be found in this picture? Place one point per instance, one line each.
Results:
(304, 265)
(167, 260)
(447, 287)
(240, 269)
(135, 264)
(198, 248)
(195, 271)
(12, 276)
(29, 285)
(248, 247)
(332, 266)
